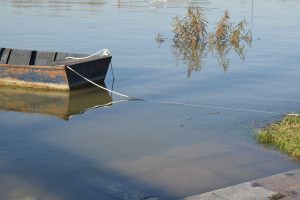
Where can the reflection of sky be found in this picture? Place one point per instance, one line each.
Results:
(139, 147)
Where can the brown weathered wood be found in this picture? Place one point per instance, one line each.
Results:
(44, 58)
(19, 57)
(4, 54)
(34, 76)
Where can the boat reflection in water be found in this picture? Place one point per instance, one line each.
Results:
(62, 104)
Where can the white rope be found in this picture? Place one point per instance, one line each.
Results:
(214, 107)
(180, 103)
(103, 52)
(92, 82)
(220, 107)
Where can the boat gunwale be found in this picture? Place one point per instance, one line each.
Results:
(58, 66)
(75, 61)
(55, 67)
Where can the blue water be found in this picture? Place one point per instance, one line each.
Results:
(144, 150)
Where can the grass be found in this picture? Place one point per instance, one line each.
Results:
(283, 135)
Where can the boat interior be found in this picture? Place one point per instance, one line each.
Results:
(32, 57)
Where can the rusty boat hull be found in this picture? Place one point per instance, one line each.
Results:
(48, 70)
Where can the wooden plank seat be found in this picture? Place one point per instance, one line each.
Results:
(4, 54)
(19, 57)
(44, 58)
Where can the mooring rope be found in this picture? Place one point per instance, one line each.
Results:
(214, 107)
(99, 86)
(103, 52)
(129, 98)
(220, 107)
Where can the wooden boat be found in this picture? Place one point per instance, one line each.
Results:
(62, 104)
(40, 69)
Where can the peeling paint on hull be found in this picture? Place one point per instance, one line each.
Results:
(34, 76)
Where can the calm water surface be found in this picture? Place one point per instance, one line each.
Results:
(144, 150)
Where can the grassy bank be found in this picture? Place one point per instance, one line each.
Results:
(283, 135)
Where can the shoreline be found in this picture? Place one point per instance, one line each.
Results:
(283, 186)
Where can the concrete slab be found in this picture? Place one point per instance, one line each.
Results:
(284, 186)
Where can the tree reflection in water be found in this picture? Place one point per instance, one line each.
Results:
(192, 43)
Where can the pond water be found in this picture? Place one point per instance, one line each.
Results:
(143, 149)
